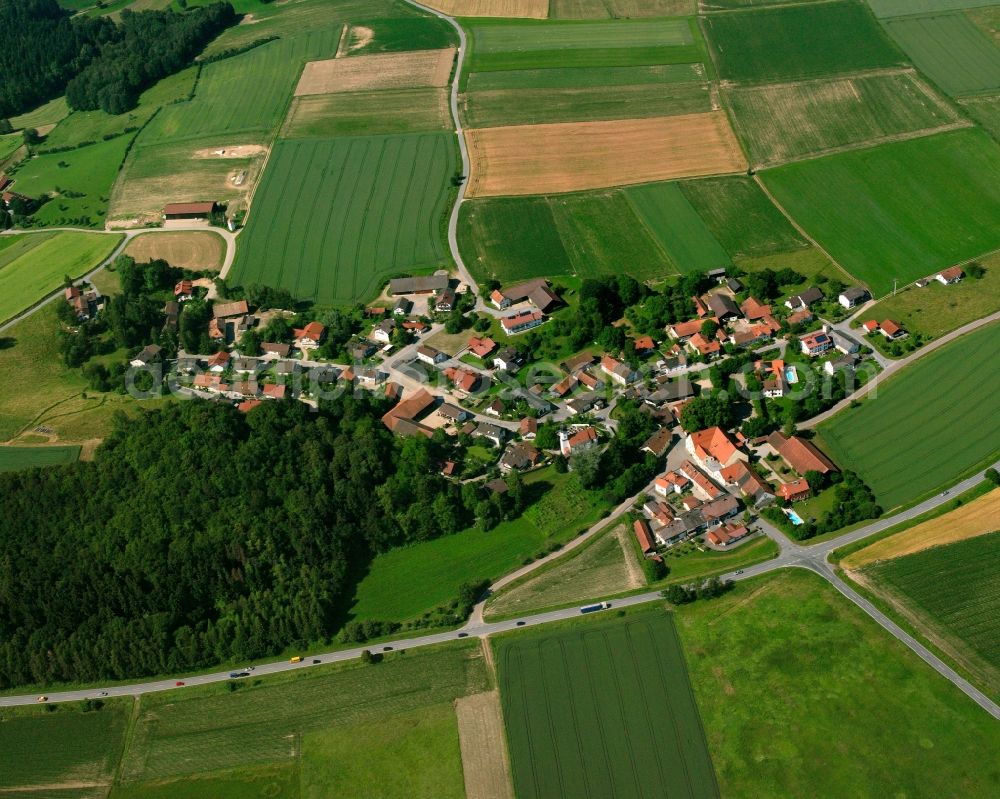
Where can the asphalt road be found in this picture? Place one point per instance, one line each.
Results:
(791, 555)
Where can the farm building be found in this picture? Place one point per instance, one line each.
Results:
(401, 420)
(950, 276)
(537, 292)
(418, 285)
(644, 536)
(581, 440)
(802, 301)
(521, 321)
(802, 456)
(199, 210)
(853, 296)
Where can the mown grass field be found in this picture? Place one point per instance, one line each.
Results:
(602, 567)
(898, 211)
(14, 458)
(538, 44)
(408, 581)
(326, 725)
(985, 111)
(602, 9)
(48, 114)
(367, 113)
(89, 172)
(801, 41)
(39, 269)
(65, 746)
(904, 449)
(789, 121)
(901, 8)
(677, 228)
(950, 50)
(575, 77)
(935, 309)
(569, 234)
(486, 109)
(334, 217)
(9, 144)
(741, 217)
(229, 103)
(956, 587)
(602, 708)
(797, 688)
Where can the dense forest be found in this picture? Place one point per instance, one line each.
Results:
(199, 535)
(44, 51)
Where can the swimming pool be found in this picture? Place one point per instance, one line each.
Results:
(794, 518)
(791, 375)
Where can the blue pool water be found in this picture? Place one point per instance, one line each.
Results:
(794, 517)
(791, 375)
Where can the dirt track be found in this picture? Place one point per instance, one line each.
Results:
(383, 71)
(552, 158)
(531, 9)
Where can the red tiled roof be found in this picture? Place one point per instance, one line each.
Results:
(752, 309)
(642, 533)
(713, 442)
(481, 347)
(793, 490)
(274, 391)
(313, 331)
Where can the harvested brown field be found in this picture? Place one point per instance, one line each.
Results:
(484, 750)
(382, 71)
(560, 157)
(977, 518)
(525, 9)
(185, 249)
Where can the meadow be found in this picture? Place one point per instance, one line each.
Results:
(80, 179)
(535, 44)
(677, 227)
(39, 270)
(14, 458)
(326, 724)
(556, 78)
(986, 111)
(905, 449)
(334, 217)
(741, 217)
(48, 114)
(902, 8)
(950, 50)
(10, 143)
(797, 688)
(793, 120)
(801, 41)
(602, 708)
(956, 589)
(582, 234)
(408, 581)
(898, 211)
(368, 113)
(63, 746)
(935, 309)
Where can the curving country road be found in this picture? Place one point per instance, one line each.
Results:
(228, 237)
(791, 555)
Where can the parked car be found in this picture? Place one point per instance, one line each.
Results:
(463, 635)
(42, 698)
(386, 648)
(521, 624)
(179, 683)
(316, 660)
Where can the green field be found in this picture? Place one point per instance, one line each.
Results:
(902, 8)
(904, 449)
(583, 234)
(602, 9)
(675, 224)
(602, 708)
(406, 582)
(48, 114)
(556, 78)
(13, 458)
(227, 102)
(801, 41)
(95, 126)
(950, 50)
(901, 210)
(39, 270)
(797, 688)
(406, 29)
(64, 746)
(89, 172)
(367, 113)
(487, 109)
(741, 217)
(986, 111)
(539, 44)
(955, 587)
(9, 144)
(334, 217)
(790, 121)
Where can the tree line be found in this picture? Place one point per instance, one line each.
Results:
(44, 52)
(200, 535)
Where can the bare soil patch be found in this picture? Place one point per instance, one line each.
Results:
(979, 517)
(360, 37)
(530, 9)
(187, 250)
(561, 157)
(236, 151)
(381, 71)
(484, 750)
